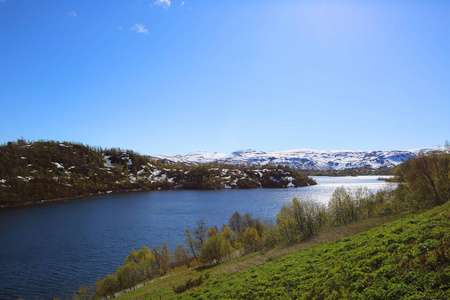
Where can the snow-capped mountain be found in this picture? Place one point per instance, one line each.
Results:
(302, 159)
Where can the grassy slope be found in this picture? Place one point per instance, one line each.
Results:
(406, 258)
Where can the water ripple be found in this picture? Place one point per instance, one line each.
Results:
(50, 250)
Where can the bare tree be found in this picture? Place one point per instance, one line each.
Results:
(190, 242)
(200, 233)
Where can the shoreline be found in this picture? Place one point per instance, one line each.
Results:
(41, 202)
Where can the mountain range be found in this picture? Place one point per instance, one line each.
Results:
(302, 159)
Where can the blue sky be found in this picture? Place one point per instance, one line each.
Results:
(173, 77)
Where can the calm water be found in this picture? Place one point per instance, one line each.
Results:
(50, 250)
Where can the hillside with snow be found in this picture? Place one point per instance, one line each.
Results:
(31, 172)
(302, 159)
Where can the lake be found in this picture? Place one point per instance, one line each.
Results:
(50, 250)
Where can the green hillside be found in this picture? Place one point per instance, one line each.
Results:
(404, 259)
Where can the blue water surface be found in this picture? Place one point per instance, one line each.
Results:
(50, 250)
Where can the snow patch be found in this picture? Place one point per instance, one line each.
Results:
(26, 178)
(58, 165)
(107, 163)
(129, 162)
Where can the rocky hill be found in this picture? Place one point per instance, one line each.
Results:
(31, 172)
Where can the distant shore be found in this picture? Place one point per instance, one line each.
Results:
(40, 202)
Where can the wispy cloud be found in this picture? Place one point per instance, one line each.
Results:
(163, 3)
(71, 13)
(182, 3)
(119, 27)
(139, 28)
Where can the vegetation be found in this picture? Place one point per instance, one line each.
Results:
(190, 284)
(408, 258)
(48, 170)
(405, 259)
(425, 180)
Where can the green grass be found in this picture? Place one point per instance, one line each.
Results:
(403, 259)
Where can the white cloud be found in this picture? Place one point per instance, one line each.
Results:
(163, 3)
(73, 13)
(139, 28)
(182, 3)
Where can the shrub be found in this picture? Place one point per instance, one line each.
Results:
(191, 283)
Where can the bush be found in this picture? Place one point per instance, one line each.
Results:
(191, 283)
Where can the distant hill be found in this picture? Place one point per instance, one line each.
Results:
(49, 170)
(302, 159)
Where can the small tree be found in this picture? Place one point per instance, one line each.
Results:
(128, 275)
(84, 293)
(146, 262)
(107, 287)
(212, 231)
(157, 255)
(180, 255)
(132, 257)
(342, 206)
(166, 257)
(190, 242)
(251, 240)
(428, 178)
(228, 234)
(212, 250)
(248, 221)
(229, 238)
(236, 223)
(299, 216)
(200, 234)
(287, 225)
